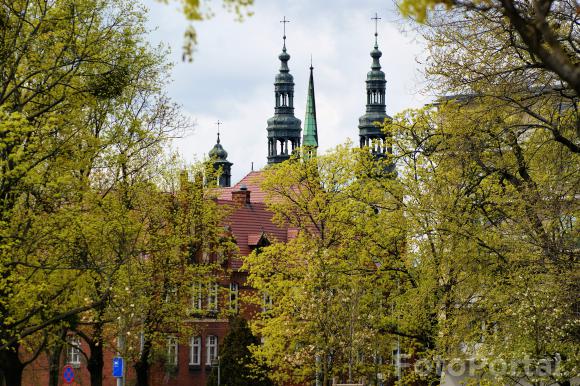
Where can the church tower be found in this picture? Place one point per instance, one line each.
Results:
(310, 137)
(370, 130)
(283, 128)
(219, 156)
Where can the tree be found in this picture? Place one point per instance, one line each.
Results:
(457, 246)
(484, 192)
(490, 209)
(238, 367)
(82, 119)
(498, 65)
(331, 286)
(545, 31)
(183, 225)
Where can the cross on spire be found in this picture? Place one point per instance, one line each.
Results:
(284, 21)
(218, 123)
(376, 19)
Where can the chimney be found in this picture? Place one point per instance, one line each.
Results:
(241, 197)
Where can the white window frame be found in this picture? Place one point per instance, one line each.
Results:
(73, 351)
(197, 296)
(234, 296)
(195, 351)
(172, 350)
(211, 345)
(212, 297)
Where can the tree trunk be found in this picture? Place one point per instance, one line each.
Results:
(11, 366)
(95, 365)
(54, 366)
(96, 361)
(54, 355)
(142, 366)
(95, 356)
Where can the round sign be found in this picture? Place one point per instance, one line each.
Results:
(68, 374)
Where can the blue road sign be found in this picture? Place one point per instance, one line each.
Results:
(118, 367)
(68, 374)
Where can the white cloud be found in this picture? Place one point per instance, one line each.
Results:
(231, 78)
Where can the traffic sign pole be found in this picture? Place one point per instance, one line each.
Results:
(121, 376)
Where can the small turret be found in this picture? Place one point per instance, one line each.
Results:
(219, 156)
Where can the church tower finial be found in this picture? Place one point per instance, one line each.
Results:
(283, 128)
(221, 165)
(310, 137)
(376, 19)
(284, 21)
(370, 130)
(218, 123)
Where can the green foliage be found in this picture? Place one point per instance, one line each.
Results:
(490, 177)
(82, 127)
(181, 226)
(419, 9)
(330, 284)
(238, 367)
(543, 33)
(467, 253)
(484, 191)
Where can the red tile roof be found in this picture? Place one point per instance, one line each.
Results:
(249, 222)
(253, 181)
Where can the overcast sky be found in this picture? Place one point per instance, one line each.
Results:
(232, 75)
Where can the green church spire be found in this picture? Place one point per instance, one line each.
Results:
(310, 137)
